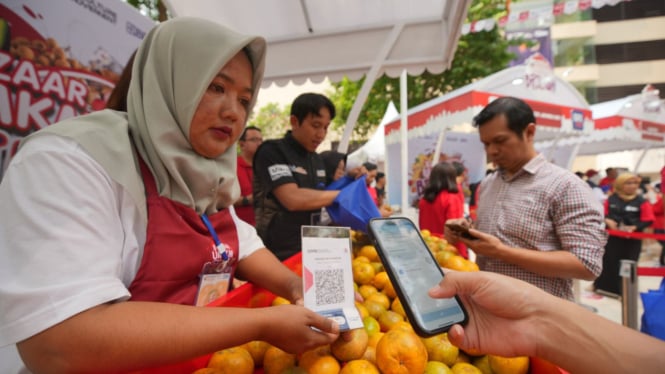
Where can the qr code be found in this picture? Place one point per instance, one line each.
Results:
(329, 286)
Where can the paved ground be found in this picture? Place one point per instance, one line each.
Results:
(611, 308)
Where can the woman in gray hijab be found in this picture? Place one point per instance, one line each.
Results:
(122, 224)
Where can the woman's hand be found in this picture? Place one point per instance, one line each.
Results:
(294, 329)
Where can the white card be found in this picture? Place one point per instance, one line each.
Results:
(327, 274)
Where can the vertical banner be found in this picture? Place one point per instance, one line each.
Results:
(532, 41)
(462, 147)
(60, 59)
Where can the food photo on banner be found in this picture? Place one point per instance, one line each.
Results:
(57, 61)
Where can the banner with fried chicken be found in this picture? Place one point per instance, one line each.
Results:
(60, 59)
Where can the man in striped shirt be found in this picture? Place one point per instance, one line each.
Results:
(535, 221)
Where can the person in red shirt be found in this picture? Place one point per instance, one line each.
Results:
(607, 183)
(441, 202)
(249, 141)
(372, 170)
(659, 219)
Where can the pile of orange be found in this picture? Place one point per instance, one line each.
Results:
(386, 345)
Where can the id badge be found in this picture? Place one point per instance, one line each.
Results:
(215, 280)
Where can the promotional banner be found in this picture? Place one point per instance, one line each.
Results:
(532, 41)
(60, 59)
(461, 147)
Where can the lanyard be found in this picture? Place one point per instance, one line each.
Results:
(215, 238)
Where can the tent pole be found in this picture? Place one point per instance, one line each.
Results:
(404, 141)
(573, 155)
(439, 144)
(639, 160)
(370, 78)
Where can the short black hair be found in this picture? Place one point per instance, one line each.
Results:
(380, 175)
(459, 168)
(311, 103)
(244, 132)
(517, 112)
(370, 166)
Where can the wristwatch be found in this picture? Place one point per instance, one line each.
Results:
(245, 200)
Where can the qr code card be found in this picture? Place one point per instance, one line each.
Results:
(328, 278)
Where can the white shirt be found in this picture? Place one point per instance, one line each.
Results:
(71, 238)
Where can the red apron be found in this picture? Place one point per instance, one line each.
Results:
(177, 246)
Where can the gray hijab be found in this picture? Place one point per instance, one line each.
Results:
(173, 66)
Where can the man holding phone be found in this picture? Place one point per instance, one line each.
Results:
(535, 221)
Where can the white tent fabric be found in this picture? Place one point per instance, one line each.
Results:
(635, 122)
(335, 38)
(374, 150)
(315, 39)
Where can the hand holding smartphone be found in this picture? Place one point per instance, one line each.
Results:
(460, 230)
(413, 270)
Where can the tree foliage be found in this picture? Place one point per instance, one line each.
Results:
(154, 9)
(272, 120)
(478, 55)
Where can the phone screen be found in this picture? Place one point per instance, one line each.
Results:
(413, 271)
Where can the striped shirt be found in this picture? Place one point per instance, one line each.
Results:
(545, 208)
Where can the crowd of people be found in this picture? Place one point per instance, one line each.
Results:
(155, 205)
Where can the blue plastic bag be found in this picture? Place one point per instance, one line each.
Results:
(353, 206)
(653, 318)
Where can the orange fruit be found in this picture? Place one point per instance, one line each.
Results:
(278, 300)
(401, 352)
(483, 364)
(436, 367)
(425, 233)
(369, 251)
(455, 262)
(232, 360)
(372, 326)
(389, 290)
(359, 367)
(374, 339)
(443, 256)
(402, 325)
(367, 289)
(363, 272)
(388, 319)
(378, 266)
(257, 349)
(380, 280)
(360, 259)
(319, 360)
(362, 310)
(275, 361)
(512, 365)
(380, 298)
(439, 348)
(370, 354)
(206, 371)
(463, 357)
(397, 307)
(350, 350)
(465, 368)
(374, 308)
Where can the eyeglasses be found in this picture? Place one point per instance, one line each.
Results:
(254, 140)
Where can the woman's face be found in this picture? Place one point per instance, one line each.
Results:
(220, 117)
(339, 172)
(630, 186)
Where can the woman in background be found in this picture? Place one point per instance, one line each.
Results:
(625, 210)
(441, 202)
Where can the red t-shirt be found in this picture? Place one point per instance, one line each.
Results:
(372, 193)
(433, 215)
(245, 177)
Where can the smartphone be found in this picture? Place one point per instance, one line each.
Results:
(461, 230)
(413, 270)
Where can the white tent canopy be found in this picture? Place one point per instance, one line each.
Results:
(635, 122)
(314, 39)
(374, 150)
